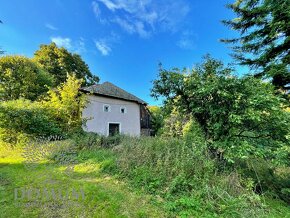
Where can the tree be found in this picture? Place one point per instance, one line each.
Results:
(157, 119)
(239, 116)
(59, 62)
(21, 77)
(66, 103)
(264, 43)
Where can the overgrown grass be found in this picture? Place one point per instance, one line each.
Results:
(184, 179)
(131, 177)
(104, 196)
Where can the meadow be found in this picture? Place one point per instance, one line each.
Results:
(124, 177)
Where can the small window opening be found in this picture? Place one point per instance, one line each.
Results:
(123, 110)
(106, 108)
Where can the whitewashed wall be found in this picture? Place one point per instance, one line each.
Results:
(99, 120)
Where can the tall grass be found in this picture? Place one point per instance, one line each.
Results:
(184, 178)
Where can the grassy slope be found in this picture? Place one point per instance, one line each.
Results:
(104, 196)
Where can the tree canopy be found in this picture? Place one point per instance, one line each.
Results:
(264, 43)
(240, 116)
(59, 62)
(21, 77)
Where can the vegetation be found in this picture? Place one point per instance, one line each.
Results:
(22, 78)
(264, 38)
(104, 196)
(221, 145)
(156, 118)
(57, 114)
(241, 118)
(129, 177)
(59, 62)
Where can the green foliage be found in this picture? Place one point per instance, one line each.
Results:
(24, 116)
(21, 77)
(183, 177)
(240, 117)
(174, 123)
(268, 179)
(157, 119)
(57, 114)
(59, 62)
(86, 140)
(264, 41)
(90, 140)
(66, 104)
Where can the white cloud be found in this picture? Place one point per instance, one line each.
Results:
(62, 42)
(103, 47)
(110, 5)
(140, 29)
(79, 46)
(146, 17)
(76, 46)
(96, 9)
(50, 26)
(125, 25)
(187, 40)
(133, 27)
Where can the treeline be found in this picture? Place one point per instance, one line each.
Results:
(40, 95)
(29, 78)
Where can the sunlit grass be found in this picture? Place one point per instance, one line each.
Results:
(105, 196)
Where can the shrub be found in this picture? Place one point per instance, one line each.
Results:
(86, 140)
(23, 118)
(66, 104)
(267, 178)
(184, 177)
(58, 114)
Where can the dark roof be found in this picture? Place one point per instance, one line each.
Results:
(110, 90)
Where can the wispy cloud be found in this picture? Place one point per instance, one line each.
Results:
(133, 27)
(96, 9)
(62, 42)
(79, 46)
(146, 17)
(76, 46)
(50, 26)
(111, 5)
(187, 40)
(103, 47)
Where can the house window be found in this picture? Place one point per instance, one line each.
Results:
(106, 108)
(123, 110)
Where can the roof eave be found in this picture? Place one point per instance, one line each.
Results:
(124, 99)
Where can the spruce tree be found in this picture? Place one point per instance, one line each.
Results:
(264, 42)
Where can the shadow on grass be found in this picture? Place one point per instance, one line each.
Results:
(103, 196)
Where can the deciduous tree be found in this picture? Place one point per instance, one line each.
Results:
(239, 116)
(21, 77)
(59, 62)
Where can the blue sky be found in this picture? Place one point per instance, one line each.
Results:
(121, 41)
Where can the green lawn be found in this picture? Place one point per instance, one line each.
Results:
(104, 196)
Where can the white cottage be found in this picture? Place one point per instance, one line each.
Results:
(112, 110)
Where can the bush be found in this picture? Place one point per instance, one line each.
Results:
(23, 118)
(184, 177)
(86, 140)
(268, 179)
(58, 114)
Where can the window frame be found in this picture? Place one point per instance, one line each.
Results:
(109, 108)
(125, 110)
